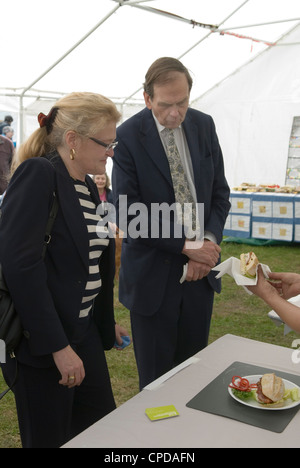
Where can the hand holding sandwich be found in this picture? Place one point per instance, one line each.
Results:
(275, 295)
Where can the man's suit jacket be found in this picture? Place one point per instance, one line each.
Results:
(141, 171)
(47, 293)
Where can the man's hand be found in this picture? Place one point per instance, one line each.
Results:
(120, 331)
(196, 271)
(206, 252)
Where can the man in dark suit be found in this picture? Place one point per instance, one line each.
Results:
(170, 315)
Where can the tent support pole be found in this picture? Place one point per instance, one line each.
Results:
(56, 63)
(193, 46)
(181, 18)
(21, 118)
(259, 24)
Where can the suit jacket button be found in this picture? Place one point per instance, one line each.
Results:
(26, 334)
(167, 261)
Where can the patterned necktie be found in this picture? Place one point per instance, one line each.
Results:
(186, 208)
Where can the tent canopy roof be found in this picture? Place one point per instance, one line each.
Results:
(106, 46)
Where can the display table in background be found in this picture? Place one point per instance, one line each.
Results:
(268, 216)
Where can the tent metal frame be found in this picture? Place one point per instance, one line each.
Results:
(216, 85)
(37, 94)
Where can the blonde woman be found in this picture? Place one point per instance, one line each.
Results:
(65, 301)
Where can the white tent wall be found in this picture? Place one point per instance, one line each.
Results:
(108, 45)
(10, 105)
(254, 109)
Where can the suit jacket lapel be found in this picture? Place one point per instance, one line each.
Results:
(153, 145)
(192, 137)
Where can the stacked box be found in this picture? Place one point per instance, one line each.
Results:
(273, 216)
(297, 218)
(238, 223)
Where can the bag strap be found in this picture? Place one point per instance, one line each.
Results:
(12, 384)
(50, 223)
(51, 219)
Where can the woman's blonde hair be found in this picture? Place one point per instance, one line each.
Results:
(83, 112)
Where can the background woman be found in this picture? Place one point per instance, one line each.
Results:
(102, 182)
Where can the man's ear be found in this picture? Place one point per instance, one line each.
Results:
(147, 100)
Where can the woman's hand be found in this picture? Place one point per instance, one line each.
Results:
(263, 288)
(120, 331)
(70, 366)
(273, 294)
(287, 284)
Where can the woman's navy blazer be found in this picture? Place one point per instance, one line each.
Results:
(47, 293)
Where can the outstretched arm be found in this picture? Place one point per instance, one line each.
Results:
(275, 295)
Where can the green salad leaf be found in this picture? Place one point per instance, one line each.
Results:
(292, 394)
(245, 396)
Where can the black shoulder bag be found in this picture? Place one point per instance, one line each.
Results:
(11, 330)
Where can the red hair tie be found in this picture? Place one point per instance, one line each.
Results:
(47, 120)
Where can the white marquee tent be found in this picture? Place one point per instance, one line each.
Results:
(106, 46)
(254, 110)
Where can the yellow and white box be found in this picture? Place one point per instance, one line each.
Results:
(261, 230)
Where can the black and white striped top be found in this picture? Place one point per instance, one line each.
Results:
(97, 246)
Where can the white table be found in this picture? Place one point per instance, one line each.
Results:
(128, 426)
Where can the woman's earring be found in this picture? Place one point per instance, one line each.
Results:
(72, 154)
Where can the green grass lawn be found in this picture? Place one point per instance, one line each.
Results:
(235, 312)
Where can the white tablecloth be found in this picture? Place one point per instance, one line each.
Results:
(128, 426)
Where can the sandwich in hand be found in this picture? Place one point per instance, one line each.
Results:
(270, 389)
(249, 262)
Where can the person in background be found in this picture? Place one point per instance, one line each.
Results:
(6, 155)
(6, 123)
(276, 291)
(8, 132)
(169, 154)
(102, 182)
(65, 301)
